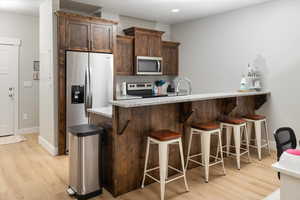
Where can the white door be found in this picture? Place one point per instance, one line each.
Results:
(9, 56)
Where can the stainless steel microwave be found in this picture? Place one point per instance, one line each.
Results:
(148, 65)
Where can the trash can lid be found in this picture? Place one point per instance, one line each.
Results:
(85, 130)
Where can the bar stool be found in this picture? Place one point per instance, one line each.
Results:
(258, 120)
(164, 138)
(206, 131)
(236, 124)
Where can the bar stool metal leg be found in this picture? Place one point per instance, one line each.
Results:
(221, 151)
(247, 142)
(163, 148)
(237, 142)
(267, 136)
(146, 161)
(205, 146)
(218, 148)
(249, 131)
(189, 149)
(182, 165)
(167, 173)
(257, 126)
(228, 139)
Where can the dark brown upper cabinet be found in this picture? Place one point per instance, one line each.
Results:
(124, 55)
(170, 55)
(77, 35)
(83, 33)
(101, 37)
(146, 42)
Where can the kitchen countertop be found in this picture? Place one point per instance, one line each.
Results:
(104, 111)
(181, 99)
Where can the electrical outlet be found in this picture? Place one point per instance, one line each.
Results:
(25, 116)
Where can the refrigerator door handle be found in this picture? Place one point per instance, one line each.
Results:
(90, 89)
(86, 91)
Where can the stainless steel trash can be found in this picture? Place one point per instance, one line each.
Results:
(85, 161)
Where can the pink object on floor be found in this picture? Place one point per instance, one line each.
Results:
(295, 152)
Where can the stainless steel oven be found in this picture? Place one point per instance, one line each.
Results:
(148, 65)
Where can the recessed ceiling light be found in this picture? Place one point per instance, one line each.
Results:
(175, 10)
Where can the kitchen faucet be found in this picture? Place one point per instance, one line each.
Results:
(180, 82)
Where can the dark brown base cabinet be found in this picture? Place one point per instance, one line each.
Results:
(125, 148)
(170, 54)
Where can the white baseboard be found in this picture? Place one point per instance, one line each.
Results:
(49, 147)
(28, 130)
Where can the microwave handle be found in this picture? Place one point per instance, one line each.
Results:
(159, 66)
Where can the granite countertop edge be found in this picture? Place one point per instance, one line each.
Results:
(103, 111)
(181, 99)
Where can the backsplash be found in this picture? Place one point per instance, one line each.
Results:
(151, 79)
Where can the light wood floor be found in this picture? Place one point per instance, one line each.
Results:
(28, 172)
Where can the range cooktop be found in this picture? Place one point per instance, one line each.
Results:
(143, 90)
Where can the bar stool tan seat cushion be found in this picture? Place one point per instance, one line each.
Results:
(255, 117)
(210, 126)
(232, 120)
(165, 135)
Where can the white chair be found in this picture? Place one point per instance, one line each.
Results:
(163, 138)
(206, 131)
(258, 121)
(239, 127)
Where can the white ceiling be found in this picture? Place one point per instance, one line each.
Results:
(155, 10)
(160, 10)
(26, 7)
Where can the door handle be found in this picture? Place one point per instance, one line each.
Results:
(10, 92)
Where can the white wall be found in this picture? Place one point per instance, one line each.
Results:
(25, 28)
(48, 77)
(215, 51)
(127, 22)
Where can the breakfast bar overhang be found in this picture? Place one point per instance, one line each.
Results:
(133, 120)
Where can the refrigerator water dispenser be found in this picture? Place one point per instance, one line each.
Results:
(77, 96)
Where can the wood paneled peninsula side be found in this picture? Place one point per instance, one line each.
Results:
(133, 120)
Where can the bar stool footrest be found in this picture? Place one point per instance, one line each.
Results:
(219, 160)
(177, 176)
(254, 146)
(234, 154)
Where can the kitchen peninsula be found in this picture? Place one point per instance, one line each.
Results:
(133, 120)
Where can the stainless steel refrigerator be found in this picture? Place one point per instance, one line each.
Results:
(89, 84)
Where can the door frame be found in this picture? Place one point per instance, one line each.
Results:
(17, 43)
